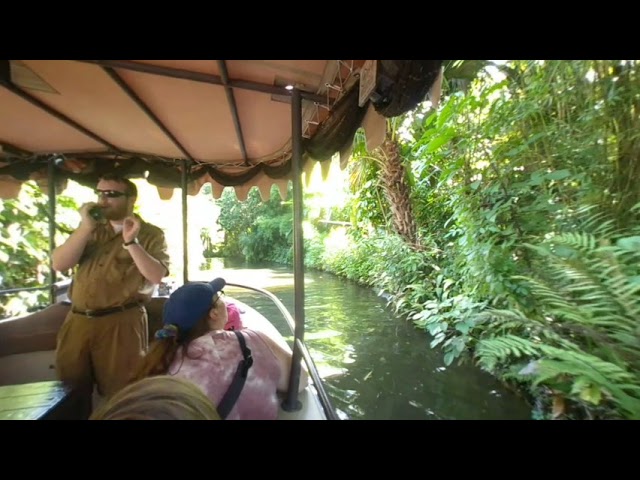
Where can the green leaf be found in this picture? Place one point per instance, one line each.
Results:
(435, 329)
(537, 178)
(558, 174)
(591, 394)
(445, 114)
(463, 327)
(437, 340)
(458, 345)
(565, 252)
(430, 118)
(629, 243)
(440, 140)
(448, 358)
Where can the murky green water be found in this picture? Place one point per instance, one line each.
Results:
(375, 365)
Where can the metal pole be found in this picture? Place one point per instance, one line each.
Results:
(291, 402)
(51, 173)
(186, 165)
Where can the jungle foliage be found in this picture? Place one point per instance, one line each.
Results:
(24, 246)
(522, 255)
(256, 230)
(505, 224)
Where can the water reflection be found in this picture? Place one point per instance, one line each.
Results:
(375, 365)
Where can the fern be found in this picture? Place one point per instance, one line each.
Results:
(582, 363)
(493, 351)
(583, 336)
(557, 364)
(619, 385)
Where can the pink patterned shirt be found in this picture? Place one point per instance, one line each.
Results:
(212, 363)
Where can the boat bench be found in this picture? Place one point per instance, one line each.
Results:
(43, 401)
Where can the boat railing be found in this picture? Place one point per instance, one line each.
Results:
(327, 406)
(58, 288)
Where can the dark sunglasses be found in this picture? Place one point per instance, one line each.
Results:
(110, 193)
(216, 298)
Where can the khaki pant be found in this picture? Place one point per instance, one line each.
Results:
(102, 350)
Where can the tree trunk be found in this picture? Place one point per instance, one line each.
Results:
(393, 176)
(625, 184)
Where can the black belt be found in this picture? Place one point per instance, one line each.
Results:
(106, 311)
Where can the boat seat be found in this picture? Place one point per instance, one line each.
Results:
(37, 331)
(32, 333)
(49, 400)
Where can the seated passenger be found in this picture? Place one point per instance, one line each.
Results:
(193, 344)
(158, 398)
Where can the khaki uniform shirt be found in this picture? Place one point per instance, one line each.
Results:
(107, 276)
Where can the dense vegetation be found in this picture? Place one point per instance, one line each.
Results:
(504, 224)
(24, 243)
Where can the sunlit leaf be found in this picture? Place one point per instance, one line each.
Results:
(591, 394)
(440, 140)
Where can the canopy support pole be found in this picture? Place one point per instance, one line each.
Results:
(51, 174)
(291, 402)
(186, 166)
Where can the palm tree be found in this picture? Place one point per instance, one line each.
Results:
(386, 168)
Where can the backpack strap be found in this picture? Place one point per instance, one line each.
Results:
(230, 398)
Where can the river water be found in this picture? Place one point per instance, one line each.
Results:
(375, 364)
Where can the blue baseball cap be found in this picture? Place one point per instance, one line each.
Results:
(188, 304)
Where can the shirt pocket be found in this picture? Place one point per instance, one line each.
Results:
(123, 260)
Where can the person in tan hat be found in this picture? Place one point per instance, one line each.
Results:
(120, 259)
(241, 371)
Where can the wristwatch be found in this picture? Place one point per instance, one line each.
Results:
(126, 245)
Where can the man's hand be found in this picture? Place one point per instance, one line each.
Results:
(88, 222)
(68, 254)
(130, 228)
(150, 268)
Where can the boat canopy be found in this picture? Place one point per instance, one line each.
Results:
(223, 122)
(184, 123)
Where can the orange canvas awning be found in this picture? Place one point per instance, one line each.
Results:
(230, 120)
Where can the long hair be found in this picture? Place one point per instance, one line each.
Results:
(158, 398)
(162, 351)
